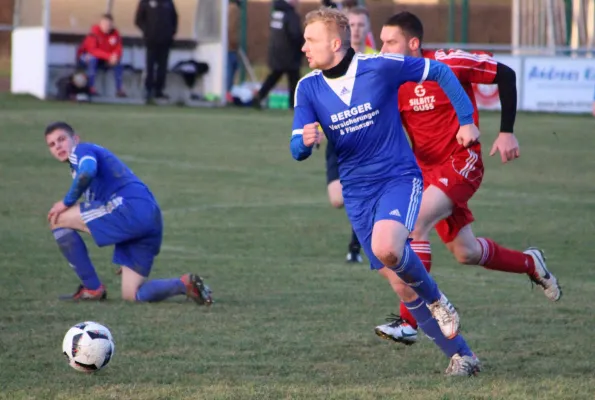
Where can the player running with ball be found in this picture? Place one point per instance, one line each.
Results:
(354, 97)
(451, 171)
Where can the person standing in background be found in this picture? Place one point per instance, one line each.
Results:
(346, 6)
(158, 21)
(233, 44)
(359, 23)
(285, 49)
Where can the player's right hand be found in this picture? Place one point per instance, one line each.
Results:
(468, 135)
(57, 209)
(311, 134)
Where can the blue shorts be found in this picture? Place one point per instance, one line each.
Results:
(133, 225)
(398, 200)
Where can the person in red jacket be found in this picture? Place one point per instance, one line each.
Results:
(102, 48)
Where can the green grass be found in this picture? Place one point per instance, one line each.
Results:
(292, 321)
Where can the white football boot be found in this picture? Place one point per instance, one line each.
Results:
(463, 366)
(397, 330)
(543, 277)
(446, 316)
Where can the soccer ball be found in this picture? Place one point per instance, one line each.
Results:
(88, 346)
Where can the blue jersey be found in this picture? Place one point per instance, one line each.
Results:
(109, 174)
(359, 115)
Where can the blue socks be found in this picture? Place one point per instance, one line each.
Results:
(429, 325)
(74, 250)
(160, 289)
(412, 271)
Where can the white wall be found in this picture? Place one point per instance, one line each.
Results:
(29, 61)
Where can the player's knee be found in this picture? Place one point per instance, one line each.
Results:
(128, 295)
(131, 283)
(468, 255)
(386, 252)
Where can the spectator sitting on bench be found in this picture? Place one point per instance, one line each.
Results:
(102, 48)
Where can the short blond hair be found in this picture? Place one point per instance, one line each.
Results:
(359, 11)
(334, 19)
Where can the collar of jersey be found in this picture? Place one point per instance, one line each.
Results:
(71, 153)
(340, 69)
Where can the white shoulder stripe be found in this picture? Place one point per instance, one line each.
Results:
(426, 70)
(309, 75)
(460, 54)
(388, 56)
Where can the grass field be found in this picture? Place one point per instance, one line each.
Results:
(292, 320)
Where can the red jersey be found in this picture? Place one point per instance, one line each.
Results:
(101, 45)
(427, 114)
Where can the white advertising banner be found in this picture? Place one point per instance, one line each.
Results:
(487, 96)
(558, 84)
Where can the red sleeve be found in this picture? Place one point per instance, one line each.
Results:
(469, 67)
(92, 47)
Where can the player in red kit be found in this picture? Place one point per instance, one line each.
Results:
(451, 172)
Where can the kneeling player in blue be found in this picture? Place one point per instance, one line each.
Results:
(120, 210)
(354, 99)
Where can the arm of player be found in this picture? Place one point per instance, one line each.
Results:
(506, 143)
(506, 80)
(449, 83)
(399, 69)
(304, 122)
(87, 170)
(482, 68)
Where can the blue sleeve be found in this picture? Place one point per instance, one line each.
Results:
(449, 83)
(86, 170)
(398, 69)
(303, 114)
(403, 69)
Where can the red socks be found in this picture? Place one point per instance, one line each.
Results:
(493, 256)
(498, 258)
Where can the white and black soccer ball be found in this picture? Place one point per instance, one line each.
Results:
(88, 346)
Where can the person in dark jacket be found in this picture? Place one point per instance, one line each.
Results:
(286, 39)
(158, 21)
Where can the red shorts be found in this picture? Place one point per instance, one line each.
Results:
(459, 178)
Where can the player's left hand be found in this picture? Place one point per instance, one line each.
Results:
(468, 135)
(507, 145)
(57, 209)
